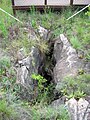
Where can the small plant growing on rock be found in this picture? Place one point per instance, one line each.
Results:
(81, 71)
(44, 91)
(88, 12)
(40, 79)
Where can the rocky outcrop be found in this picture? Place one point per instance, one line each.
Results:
(79, 110)
(31, 64)
(67, 61)
(28, 66)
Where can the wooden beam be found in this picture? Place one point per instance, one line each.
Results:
(14, 11)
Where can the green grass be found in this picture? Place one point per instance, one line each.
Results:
(49, 113)
(76, 43)
(6, 112)
(5, 20)
(76, 29)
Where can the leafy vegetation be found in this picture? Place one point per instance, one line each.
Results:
(88, 12)
(40, 80)
(44, 91)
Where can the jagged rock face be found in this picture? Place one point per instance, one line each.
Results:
(79, 110)
(29, 66)
(32, 64)
(67, 61)
(44, 33)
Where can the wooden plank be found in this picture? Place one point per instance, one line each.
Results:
(81, 2)
(28, 7)
(58, 2)
(28, 2)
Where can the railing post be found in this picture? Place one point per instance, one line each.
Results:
(13, 6)
(45, 2)
(71, 2)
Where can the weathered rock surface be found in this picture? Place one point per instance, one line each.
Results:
(79, 110)
(44, 33)
(58, 102)
(29, 66)
(67, 61)
(87, 67)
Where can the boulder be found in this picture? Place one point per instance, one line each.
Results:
(67, 61)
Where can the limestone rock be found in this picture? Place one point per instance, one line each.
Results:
(44, 33)
(79, 110)
(29, 66)
(67, 61)
(87, 67)
(72, 107)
